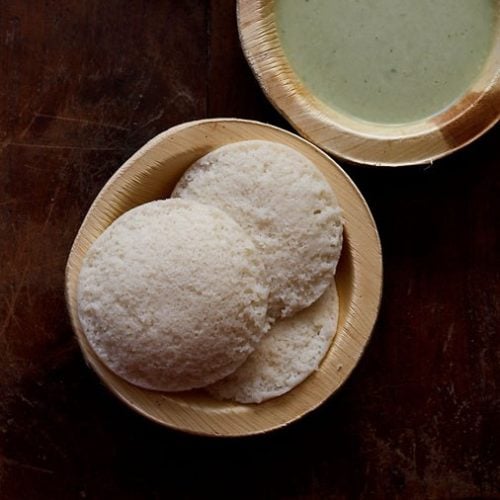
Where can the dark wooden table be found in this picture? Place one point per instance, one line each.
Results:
(85, 83)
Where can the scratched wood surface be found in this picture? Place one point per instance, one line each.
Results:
(84, 84)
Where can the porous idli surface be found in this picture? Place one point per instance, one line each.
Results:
(173, 296)
(287, 355)
(281, 199)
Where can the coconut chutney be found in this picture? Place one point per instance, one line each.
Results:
(386, 61)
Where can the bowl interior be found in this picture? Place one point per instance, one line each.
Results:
(354, 139)
(151, 174)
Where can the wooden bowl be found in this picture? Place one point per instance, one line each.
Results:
(357, 140)
(151, 174)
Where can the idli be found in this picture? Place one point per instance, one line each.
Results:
(285, 204)
(286, 356)
(173, 295)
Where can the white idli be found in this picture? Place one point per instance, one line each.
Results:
(172, 296)
(281, 199)
(286, 356)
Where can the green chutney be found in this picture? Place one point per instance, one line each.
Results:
(386, 61)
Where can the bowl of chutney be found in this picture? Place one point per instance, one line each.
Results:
(380, 83)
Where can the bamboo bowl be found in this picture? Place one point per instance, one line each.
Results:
(356, 140)
(151, 174)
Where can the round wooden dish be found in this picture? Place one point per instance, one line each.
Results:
(357, 140)
(151, 174)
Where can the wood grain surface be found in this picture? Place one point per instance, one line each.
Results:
(82, 86)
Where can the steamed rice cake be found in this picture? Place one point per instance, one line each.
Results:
(285, 204)
(286, 356)
(173, 295)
